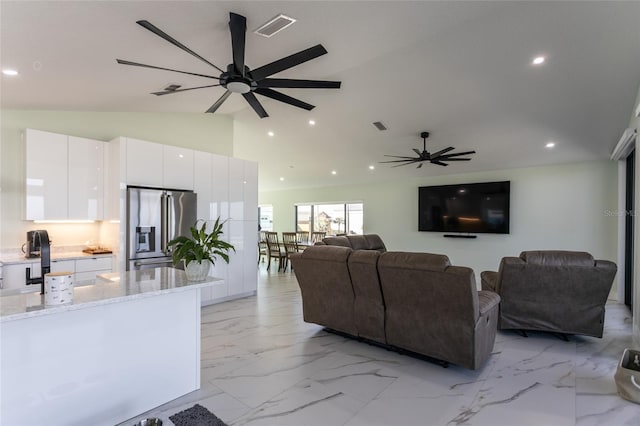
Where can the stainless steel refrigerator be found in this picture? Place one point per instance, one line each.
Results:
(155, 217)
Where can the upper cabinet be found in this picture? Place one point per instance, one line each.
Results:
(159, 166)
(64, 177)
(86, 178)
(143, 163)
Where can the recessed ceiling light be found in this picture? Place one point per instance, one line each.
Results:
(270, 133)
(538, 60)
(312, 122)
(333, 172)
(550, 144)
(372, 167)
(281, 179)
(9, 72)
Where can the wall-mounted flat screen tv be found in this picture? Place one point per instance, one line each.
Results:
(472, 208)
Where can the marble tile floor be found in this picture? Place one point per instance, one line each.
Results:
(262, 365)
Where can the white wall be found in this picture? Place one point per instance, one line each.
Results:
(635, 123)
(560, 207)
(204, 132)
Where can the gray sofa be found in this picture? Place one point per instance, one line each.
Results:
(556, 291)
(415, 302)
(356, 242)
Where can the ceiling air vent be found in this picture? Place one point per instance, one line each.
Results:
(275, 25)
(379, 125)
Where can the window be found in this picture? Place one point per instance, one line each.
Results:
(265, 215)
(334, 219)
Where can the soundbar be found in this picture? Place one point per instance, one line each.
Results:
(459, 236)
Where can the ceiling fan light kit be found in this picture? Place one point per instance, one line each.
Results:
(239, 78)
(440, 157)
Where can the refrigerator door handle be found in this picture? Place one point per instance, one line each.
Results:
(164, 219)
(169, 224)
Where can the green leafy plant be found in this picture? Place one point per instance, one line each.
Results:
(202, 245)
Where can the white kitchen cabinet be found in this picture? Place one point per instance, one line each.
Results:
(250, 256)
(236, 189)
(144, 163)
(86, 179)
(177, 167)
(64, 177)
(89, 268)
(63, 266)
(250, 190)
(235, 270)
(14, 275)
(220, 181)
(46, 175)
(203, 185)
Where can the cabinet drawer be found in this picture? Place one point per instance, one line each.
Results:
(90, 275)
(63, 266)
(93, 264)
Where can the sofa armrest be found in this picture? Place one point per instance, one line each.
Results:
(487, 301)
(489, 281)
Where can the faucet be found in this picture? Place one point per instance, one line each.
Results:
(45, 261)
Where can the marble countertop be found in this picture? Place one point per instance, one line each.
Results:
(15, 258)
(107, 288)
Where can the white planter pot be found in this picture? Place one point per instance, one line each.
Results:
(197, 271)
(627, 375)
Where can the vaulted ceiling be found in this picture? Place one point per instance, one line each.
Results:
(460, 70)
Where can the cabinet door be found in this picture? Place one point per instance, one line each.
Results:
(46, 175)
(250, 190)
(220, 181)
(178, 168)
(235, 271)
(144, 163)
(14, 276)
(250, 256)
(86, 178)
(63, 266)
(236, 189)
(203, 185)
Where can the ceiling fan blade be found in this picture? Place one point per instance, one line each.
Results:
(255, 104)
(439, 163)
(402, 156)
(457, 154)
(284, 98)
(419, 165)
(238, 27)
(168, 92)
(405, 164)
(442, 151)
(157, 31)
(288, 62)
(453, 159)
(219, 102)
(137, 64)
(398, 161)
(298, 84)
(417, 151)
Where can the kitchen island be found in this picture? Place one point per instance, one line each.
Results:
(128, 343)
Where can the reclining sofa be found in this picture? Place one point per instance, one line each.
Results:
(356, 242)
(556, 291)
(413, 302)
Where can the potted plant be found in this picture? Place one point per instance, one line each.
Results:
(200, 250)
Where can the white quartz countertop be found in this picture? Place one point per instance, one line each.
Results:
(107, 288)
(15, 258)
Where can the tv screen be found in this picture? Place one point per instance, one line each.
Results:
(472, 208)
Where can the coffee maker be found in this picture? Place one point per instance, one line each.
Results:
(34, 243)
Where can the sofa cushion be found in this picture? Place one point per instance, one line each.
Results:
(418, 261)
(368, 306)
(557, 258)
(340, 241)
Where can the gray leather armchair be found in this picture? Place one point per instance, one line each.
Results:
(557, 291)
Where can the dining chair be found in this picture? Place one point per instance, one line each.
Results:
(262, 247)
(274, 250)
(303, 240)
(290, 242)
(317, 236)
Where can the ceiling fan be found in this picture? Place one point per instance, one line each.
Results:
(239, 78)
(440, 158)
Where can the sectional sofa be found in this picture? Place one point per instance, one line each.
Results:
(415, 302)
